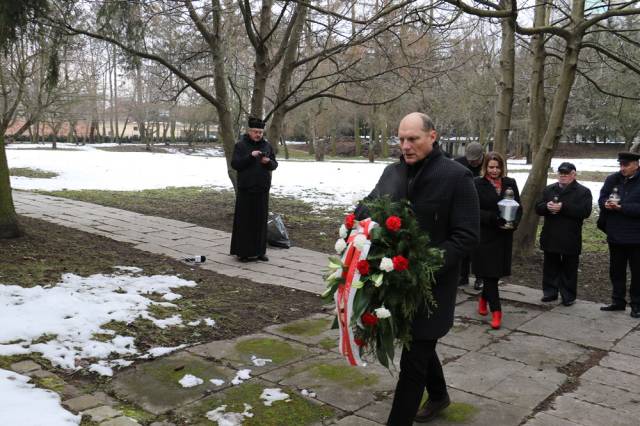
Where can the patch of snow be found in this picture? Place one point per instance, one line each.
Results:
(160, 351)
(172, 296)
(73, 311)
(260, 362)
(209, 322)
(25, 405)
(189, 381)
(217, 382)
(271, 395)
(241, 376)
(229, 419)
(310, 394)
(166, 322)
(194, 323)
(131, 269)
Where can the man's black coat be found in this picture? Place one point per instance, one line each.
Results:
(492, 258)
(446, 206)
(622, 227)
(562, 232)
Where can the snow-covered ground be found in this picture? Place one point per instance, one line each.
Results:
(72, 312)
(320, 183)
(22, 404)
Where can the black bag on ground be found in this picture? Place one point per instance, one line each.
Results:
(277, 235)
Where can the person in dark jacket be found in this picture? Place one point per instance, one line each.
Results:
(564, 206)
(472, 160)
(446, 205)
(492, 258)
(619, 203)
(254, 160)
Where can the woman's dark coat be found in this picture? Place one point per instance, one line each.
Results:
(492, 258)
(562, 232)
(446, 206)
(249, 236)
(621, 227)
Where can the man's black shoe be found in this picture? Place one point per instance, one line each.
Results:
(430, 409)
(549, 298)
(635, 313)
(263, 257)
(463, 283)
(244, 259)
(613, 307)
(477, 285)
(568, 302)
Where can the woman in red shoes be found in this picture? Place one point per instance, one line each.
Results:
(492, 258)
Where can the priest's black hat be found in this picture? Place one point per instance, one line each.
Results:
(256, 123)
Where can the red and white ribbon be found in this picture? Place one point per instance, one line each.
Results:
(346, 292)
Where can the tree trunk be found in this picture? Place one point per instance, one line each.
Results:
(8, 218)
(261, 66)
(504, 104)
(525, 236)
(115, 96)
(537, 115)
(356, 135)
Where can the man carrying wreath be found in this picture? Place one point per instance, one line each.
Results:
(445, 202)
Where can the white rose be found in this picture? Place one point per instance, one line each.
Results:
(382, 313)
(359, 241)
(386, 264)
(340, 246)
(343, 231)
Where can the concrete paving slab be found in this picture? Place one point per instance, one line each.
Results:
(446, 353)
(120, 421)
(336, 382)
(513, 316)
(518, 293)
(613, 378)
(608, 396)
(238, 352)
(602, 332)
(586, 414)
(544, 419)
(355, 421)
(472, 336)
(622, 362)
(101, 413)
(629, 344)
(25, 366)
(534, 350)
(81, 403)
(507, 381)
(480, 411)
(312, 330)
(154, 385)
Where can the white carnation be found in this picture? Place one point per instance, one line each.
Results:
(343, 231)
(340, 245)
(382, 313)
(386, 264)
(359, 241)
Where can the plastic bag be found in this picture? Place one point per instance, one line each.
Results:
(277, 235)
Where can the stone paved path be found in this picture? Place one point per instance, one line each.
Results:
(549, 365)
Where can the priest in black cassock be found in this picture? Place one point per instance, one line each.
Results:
(253, 159)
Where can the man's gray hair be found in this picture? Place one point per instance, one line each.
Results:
(427, 122)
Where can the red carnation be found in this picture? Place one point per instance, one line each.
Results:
(393, 223)
(358, 341)
(349, 220)
(363, 267)
(400, 263)
(369, 319)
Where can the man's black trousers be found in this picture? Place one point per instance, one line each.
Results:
(621, 255)
(560, 275)
(420, 369)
